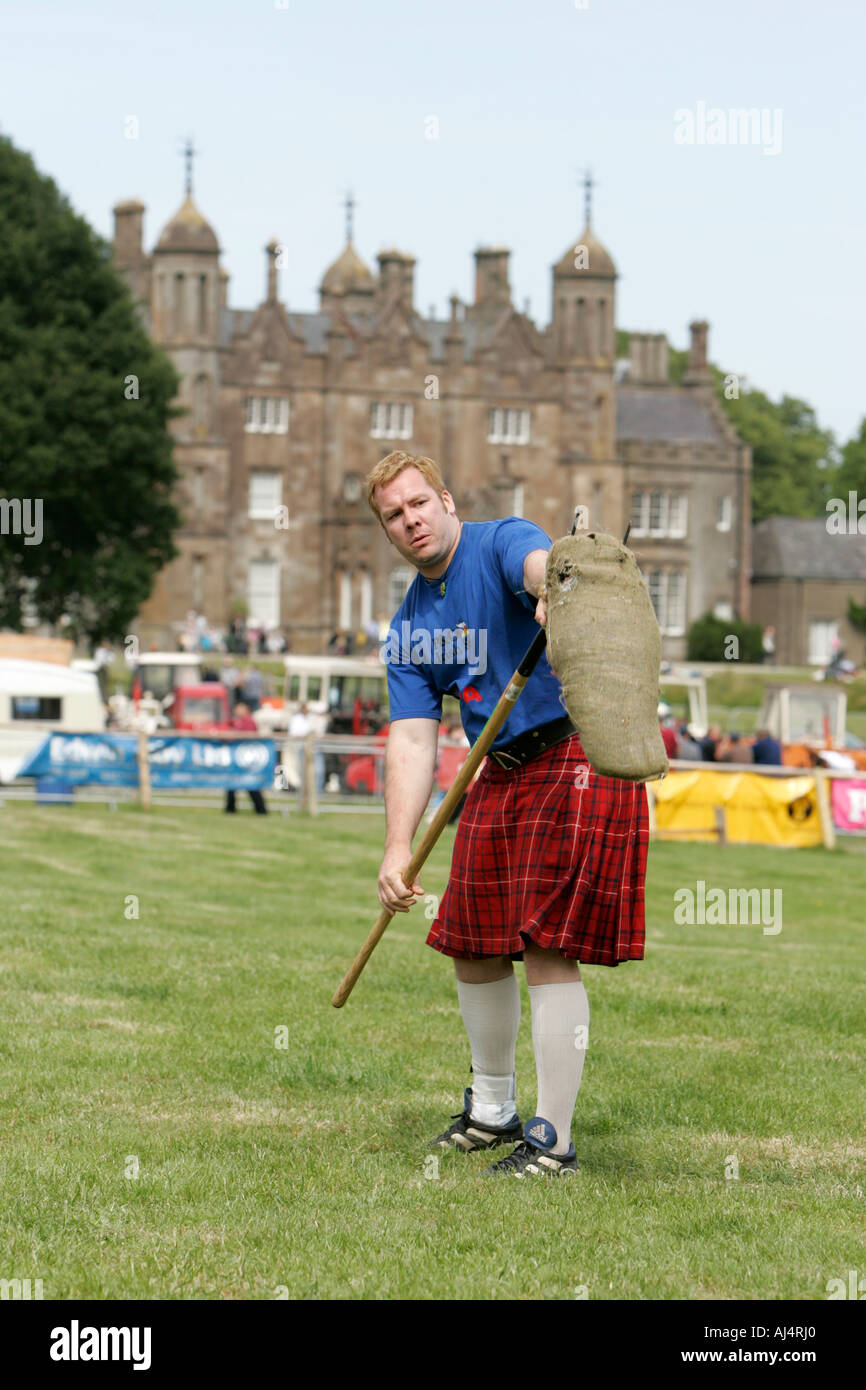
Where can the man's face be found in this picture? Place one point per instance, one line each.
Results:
(420, 524)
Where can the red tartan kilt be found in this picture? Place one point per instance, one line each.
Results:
(539, 856)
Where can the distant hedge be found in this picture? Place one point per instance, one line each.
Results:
(709, 640)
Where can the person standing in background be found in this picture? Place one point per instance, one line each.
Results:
(244, 723)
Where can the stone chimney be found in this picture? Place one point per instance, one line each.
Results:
(492, 290)
(455, 339)
(648, 359)
(128, 224)
(396, 277)
(272, 250)
(130, 258)
(697, 370)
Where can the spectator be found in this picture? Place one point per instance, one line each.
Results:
(103, 656)
(300, 725)
(690, 749)
(766, 749)
(231, 679)
(768, 646)
(669, 737)
(244, 722)
(734, 749)
(710, 742)
(252, 688)
(263, 642)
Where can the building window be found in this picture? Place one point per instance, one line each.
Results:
(365, 596)
(266, 495)
(202, 304)
(725, 514)
(667, 590)
(344, 601)
(179, 307)
(823, 641)
(398, 586)
(198, 582)
(198, 489)
(658, 514)
(390, 420)
(639, 513)
(517, 500)
(678, 514)
(267, 415)
(263, 593)
(352, 488)
(654, 582)
(676, 604)
(508, 426)
(723, 611)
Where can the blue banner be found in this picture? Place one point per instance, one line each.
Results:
(181, 761)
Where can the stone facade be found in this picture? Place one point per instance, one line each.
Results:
(803, 579)
(522, 420)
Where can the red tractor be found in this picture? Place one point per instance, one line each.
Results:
(200, 709)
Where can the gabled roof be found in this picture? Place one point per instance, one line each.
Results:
(665, 412)
(793, 547)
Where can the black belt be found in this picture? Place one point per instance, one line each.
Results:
(533, 742)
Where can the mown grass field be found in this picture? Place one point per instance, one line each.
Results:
(157, 1144)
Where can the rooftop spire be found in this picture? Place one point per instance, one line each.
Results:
(588, 184)
(189, 153)
(350, 208)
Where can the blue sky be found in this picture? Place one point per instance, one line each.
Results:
(291, 105)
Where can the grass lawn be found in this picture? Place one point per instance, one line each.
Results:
(157, 1144)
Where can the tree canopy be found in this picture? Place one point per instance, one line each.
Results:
(85, 400)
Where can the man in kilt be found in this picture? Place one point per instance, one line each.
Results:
(549, 858)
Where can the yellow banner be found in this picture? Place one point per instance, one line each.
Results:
(758, 810)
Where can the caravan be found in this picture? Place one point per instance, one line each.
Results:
(39, 698)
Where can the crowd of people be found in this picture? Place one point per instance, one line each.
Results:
(242, 639)
(245, 684)
(716, 747)
(360, 643)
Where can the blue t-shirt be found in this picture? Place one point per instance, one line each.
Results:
(469, 641)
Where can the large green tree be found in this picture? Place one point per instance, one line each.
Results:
(85, 400)
(851, 476)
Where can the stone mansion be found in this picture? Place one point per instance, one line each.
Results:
(287, 409)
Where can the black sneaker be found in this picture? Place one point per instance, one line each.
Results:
(469, 1135)
(531, 1157)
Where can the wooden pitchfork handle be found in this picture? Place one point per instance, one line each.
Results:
(440, 820)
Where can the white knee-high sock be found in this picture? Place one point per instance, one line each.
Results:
(491, 1015)
(560, 1027)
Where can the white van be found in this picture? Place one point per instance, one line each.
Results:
(332, 686)
(38, 698)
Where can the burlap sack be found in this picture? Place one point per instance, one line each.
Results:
(605, 646)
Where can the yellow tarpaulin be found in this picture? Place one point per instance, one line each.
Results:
(758, 810)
